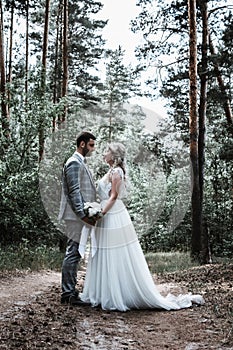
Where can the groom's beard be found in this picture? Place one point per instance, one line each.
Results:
(87, 153)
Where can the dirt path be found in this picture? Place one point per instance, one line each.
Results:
(26, 287)
(31, 317)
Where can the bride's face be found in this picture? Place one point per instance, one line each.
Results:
(107, 156)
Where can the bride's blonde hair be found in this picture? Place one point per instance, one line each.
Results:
(117, 150)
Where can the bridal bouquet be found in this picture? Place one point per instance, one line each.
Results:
(93, 210)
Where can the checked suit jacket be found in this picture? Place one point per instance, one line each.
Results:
(77, 188)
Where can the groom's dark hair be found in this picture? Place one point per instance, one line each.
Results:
(84, 136)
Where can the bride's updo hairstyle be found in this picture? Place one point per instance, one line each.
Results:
(117, 150)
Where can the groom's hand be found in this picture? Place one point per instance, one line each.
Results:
(89, 221)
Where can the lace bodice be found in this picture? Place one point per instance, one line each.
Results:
(105, 184)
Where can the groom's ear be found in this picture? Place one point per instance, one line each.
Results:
(82, 144)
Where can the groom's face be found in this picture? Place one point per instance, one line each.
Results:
(89, 148)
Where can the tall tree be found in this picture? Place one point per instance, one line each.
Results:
(165, 49)
(27, 5)
(225, 97)
(43, 77)
(120, 84)
(86, 48)
(9, 75)
(45, 44)
(3, 92)
(196, 207)
(65, 56)
(55, 75)
(205, 252)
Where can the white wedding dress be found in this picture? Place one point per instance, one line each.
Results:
(117, 276)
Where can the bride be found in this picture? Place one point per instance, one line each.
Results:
(117, 276)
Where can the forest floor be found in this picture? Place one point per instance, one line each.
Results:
(31, 316)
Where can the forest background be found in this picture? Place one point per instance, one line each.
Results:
(52, 87)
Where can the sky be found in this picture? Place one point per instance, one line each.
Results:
(117, 32)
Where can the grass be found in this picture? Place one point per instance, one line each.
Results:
(38, 258)
(168, 262)
(25, 257)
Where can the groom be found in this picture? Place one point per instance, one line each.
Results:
(77, 188)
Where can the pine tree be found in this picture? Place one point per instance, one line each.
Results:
(119, 86)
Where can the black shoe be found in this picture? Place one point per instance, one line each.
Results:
(65, 299)
(76, 294)
(73, 300)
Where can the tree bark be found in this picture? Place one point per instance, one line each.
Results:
(193, 126)
(226, 101)
(4, 110)
(205, 251)
(65, 56)
(9, 77)
(27, 52)
(55, 75)
(45, 43)
(43, 76)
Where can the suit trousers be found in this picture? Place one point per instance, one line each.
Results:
(71, 259)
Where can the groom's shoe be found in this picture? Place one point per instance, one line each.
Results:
(73, 300)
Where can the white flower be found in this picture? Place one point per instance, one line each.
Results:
(92, 209)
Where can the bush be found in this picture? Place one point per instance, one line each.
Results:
(22, 214)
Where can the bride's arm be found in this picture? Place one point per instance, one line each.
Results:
(116, 181)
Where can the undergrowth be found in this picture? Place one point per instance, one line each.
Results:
(24, 256)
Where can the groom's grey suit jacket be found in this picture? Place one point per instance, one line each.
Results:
(77, 188)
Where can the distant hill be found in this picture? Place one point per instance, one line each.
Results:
(152, 119)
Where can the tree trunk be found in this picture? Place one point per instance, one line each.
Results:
(110, 117)
(55, 75)
(27, 52)
(9, 78)
(196, 207)
(65, 56)
(226, 102)
(4, 111)
(45, 43)
(43, 75)
(205, 251)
